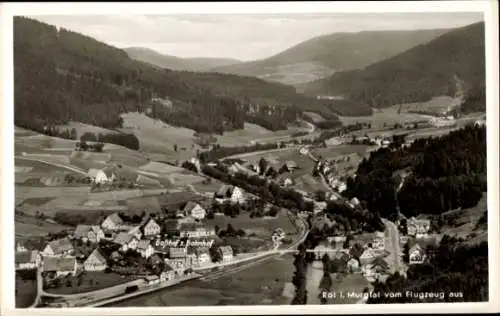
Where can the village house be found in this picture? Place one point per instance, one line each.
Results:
(177, 259)
(194, 210)
(126, 241)
(168, 274)
(152, 279)
(151, 228)
(60, 266)
(135, 231)
(289, 166)
(20, 247)
(191, 256)
(287, 182)
(59, 248)
(226, 253)
(416, 255)
(337, 242)
(145, 248)
(27, 260)
(353, 265)
(112, 222)
(230, 193)
(203, 256)
(92, 233)
(418, 228)
(195, 230)
(379, 241)
(96, 261)
(367, 257)
(373, 270)
(105, 175)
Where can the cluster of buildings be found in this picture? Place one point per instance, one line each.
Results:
(112, 241)
(367, 260)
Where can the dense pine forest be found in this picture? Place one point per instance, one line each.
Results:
(417, 75)
(446, 172)
(451, 269)
(61, 75)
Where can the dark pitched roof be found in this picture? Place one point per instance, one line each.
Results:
(61, 245)
(59, 264)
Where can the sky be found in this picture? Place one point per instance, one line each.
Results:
(239, 36)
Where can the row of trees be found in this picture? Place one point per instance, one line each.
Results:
(218, 152)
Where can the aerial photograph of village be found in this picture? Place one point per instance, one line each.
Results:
(273, 159)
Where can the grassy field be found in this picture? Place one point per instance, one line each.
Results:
(350, 283)
(261, 284)
(26, 291)
(148, 204)
(466, 219)
(157, 137)
(262, 227)
(382, 118)
(27, 226)
(90, 281)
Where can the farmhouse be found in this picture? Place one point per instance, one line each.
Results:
(194, 230)
(352, 265)
(27, 259)
(59, 248)
(167, 274)
(226, 253)
(20, 247)
(112, 222)
(194, 210)
(416, 255)
(126, 241)
(367, 257)
(203, 255)
(145, 248)
(92, 233)
(60, 266)
(152, 279)
(104, 175)
(135, 231)
(96, 261)
(232, 193)
(177, 259)
(151, 228)
(418, 227)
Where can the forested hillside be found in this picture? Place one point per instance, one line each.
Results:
(325, 54)
(61, 75)
(452, 269)
(442, 174)
(418, 74)
(176, 63)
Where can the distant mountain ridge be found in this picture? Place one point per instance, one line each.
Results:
(418, 74)
(177, 63)
(324, 55)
